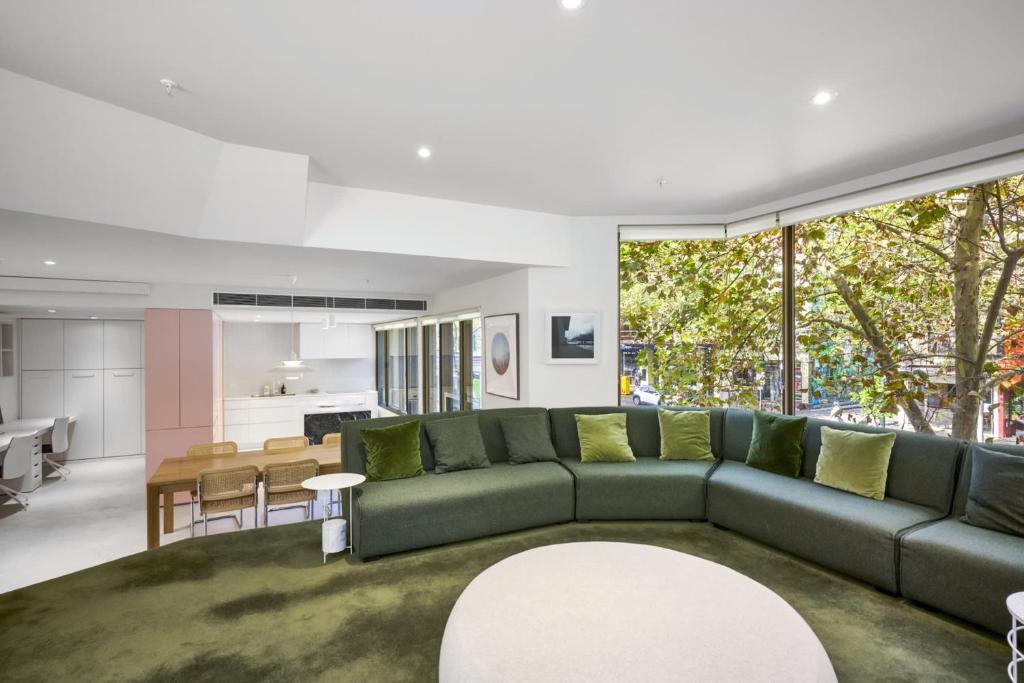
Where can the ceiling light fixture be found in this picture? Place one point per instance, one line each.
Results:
(93, 317)
(48, 262)
(823, 97)
(572, 4)
(169, 85)
(293, 367)
(423, 152)
(51, 310)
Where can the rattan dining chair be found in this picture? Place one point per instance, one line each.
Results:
(206, 450)
(283, 444)
(282, 487)
(228, 490)
(333, 439)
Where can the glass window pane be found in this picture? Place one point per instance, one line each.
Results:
(432, 393)
(381, 366)
(396, 370)
(476, 352)
(412, 371)
(450, 399)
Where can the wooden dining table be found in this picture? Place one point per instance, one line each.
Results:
(180, 474)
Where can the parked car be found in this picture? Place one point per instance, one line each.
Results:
(645, 394)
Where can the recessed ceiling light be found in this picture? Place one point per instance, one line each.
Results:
(51, 310)
(92, 317)
(48, 262)
(823, 97)
(572, 4)
(423, 152)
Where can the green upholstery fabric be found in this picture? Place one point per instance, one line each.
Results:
(528, 439)
(394, 516)
(854, 461)
(393, 452)
(995, 496)
(963, 570)
(846, 532)
(641, 426)
(685, 435)
(646, 489)
(457, 444)
(777, 443)
(603, 438)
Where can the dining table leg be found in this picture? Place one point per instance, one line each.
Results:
(168, 513)
(152, 517)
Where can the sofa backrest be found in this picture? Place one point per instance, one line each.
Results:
(353, 453)
(641, 423)
(964, 480)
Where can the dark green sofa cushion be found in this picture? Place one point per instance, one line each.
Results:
(393, 452)
(528, 439)
(603, 438)
(995, 497)
(457, 444)
(777, 443)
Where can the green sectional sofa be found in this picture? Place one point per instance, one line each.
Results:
(912, 543)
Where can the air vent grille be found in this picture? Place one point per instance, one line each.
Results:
(305, 301)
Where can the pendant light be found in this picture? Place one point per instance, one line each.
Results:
(293, 367)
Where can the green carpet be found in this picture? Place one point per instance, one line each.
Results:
(259, 605)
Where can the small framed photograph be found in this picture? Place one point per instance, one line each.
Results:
(573, 337)
(501, 353)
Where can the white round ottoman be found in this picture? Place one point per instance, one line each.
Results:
(624, 612)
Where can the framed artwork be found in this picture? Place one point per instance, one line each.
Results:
(573, 337)
(501, 351)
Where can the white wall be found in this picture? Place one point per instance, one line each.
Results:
(504, 294)
(9, 385)
(252, 349)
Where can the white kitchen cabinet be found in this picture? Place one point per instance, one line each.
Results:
(238, 433)
(83, 398)
(122, 344)
(42, 393)
(311, 340)
(336, 342)
(122, 412)
(42, 344)
(83, 344)
(342, 341)
(361, 341)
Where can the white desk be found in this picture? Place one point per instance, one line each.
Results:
(38, 427)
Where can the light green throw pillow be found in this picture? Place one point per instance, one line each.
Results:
(854, 461)
(603, 438)
(685, 434)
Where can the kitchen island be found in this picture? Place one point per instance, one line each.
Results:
(249, 421)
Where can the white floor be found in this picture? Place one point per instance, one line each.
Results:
(98, 515)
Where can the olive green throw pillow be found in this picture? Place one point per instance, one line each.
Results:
(854, 461)
(393, 452)
(777, 444)
(528, 439)
(603, 438)
(685, 434)
(457, 444)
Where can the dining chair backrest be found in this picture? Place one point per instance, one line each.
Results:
(231, 484)
(60, 438)
(18, 459)
(205, 450)
(333, 439)
(283, 444)
(288, 476)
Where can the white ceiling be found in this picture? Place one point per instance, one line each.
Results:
(529, 106)
(98, 252)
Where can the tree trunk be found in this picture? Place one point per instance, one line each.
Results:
(966, 265)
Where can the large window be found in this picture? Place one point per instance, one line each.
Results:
(908, 315)
(398, 368)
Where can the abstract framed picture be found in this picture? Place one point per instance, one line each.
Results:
(573, 337)
(501, 353)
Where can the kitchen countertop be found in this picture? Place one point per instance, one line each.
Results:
(324, 394)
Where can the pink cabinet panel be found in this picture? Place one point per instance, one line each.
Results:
(162, 369)
(196, 372)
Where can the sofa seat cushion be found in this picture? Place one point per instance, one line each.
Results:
(844, 531)
(393, 516)
(964, 570)
(648, 488)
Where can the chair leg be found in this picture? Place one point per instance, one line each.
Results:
(192, 517)
(16, 496)
(62, 470)
(206, 526)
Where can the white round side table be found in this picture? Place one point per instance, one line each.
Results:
(600, 612)
(1015, 603)
(332, 483)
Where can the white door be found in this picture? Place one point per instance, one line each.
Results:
(311, 341)
(42, 344)
(42, 393)
(83, 399)
(122, 409)
(83, 344)
(122, 344)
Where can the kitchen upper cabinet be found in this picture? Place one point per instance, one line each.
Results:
(122, 344)
(83, 344)
(42, 344)
(42, 393)
(342, 341)
(163, 386)
(122, 412)
(83, 399)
